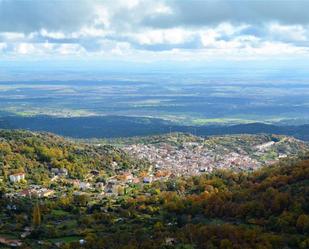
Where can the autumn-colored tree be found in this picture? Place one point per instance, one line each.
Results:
(36, 215)
(226, 244)
(302, 223)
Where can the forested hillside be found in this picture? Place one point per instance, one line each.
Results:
(35, 154)
(267, 208)
(124, 126)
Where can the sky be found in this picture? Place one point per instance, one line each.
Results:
(148, 31)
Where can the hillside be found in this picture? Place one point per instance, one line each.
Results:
(267, 208)
(60, 193)
(38, 154)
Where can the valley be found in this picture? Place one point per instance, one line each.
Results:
(273, 96)
(154, 124)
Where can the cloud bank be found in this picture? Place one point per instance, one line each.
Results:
(154, 29)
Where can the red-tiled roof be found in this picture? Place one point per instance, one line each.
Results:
(18, 174)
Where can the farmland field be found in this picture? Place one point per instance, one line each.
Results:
(192, 100)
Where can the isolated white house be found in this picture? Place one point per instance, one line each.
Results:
(17, 177)
(84, 185)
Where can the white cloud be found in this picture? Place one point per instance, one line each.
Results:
(163, 9)
(288, 33)
(169, 36)
(53, 35)
(3, 46)
(25, 48)
(70, 49)
(12, 36)
(209, 37)
(122, 28)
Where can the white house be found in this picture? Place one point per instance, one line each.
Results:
(17, 177)
(84, 185)
(59, 172)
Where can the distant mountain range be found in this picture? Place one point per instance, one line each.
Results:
(122, 126)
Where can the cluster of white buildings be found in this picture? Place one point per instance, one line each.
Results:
(37, 192)
(190, 158)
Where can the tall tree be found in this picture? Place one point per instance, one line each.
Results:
(36, 215)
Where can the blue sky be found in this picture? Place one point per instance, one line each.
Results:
(150, 31)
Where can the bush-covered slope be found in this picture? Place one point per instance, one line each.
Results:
(265, 209)
(36, 153)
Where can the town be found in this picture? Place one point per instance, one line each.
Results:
(205, 155)
(175, 155)
(190, 160)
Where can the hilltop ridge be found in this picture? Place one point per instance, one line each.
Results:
(124, 126)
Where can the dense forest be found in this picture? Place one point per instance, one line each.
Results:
(122, 126)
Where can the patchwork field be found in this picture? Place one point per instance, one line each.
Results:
(197, 100)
